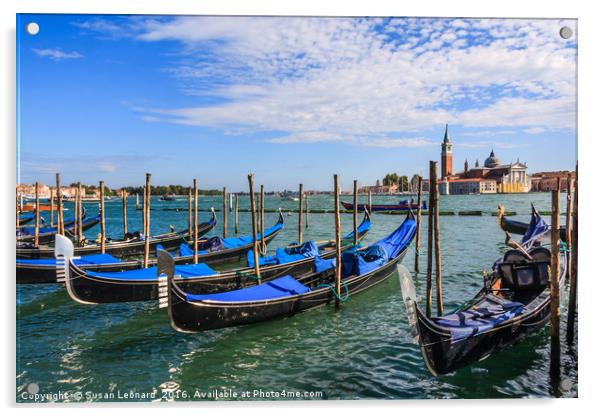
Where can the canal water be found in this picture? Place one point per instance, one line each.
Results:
(361, 351)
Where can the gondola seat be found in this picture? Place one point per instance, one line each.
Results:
(521, 274)
(282, 287)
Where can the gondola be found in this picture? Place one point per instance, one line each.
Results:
(26, 218)
(29, 230)
(46, 234)
(520, 228)
(133, 246)
(513, 304)
(286, 295)
(90, 287)
(402, 206)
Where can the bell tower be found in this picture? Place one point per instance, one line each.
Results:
(446, 155)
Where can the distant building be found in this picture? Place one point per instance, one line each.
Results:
(508, 178)
(379, 189)
(547, 181)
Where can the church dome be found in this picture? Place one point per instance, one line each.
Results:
(492, 161)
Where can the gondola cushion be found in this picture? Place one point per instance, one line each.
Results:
(321, 265)
(474, 321)
(359, 262)
(186, 251)
(286, 255)
(278, 288)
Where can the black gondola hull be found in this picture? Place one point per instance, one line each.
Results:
(200, 316)
(134, 247)
(520, 228)
(443, 356)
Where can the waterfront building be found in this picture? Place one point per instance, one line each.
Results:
(379, 189)
(546, 181)
(508, 178)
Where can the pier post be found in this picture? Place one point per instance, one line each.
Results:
(437, 237)
(262, 219)
(254, 226)
(195, 221)
(418, 219)
(355, 238)
(81, 193)
(189, 212)
(147, 237)
(59, 206)
(370, 202)
(51, 206)
(236, 214)
(75, 214)
(36, 228)
(569, 185)
(103, 230)
(137, 201)
(225, 212)
(144, 210)
(337, 227)
(306, 210)
(125, 212)
(570, 328)
(430, 233)
(230, 201)
(554, 286)
(300, 213)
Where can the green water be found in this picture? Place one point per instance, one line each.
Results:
(361, 351)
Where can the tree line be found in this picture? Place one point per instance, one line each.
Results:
(155, 190)
(402, 181)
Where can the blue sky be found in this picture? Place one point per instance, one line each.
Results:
(289, 99)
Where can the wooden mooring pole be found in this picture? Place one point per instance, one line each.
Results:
(125, 212)
(254, 226)
(75, 214)
(418, 219)
(355, 236)
(554, 286)
(262, 219)
(306, 210)
(195, 221)
(146, 199)
(225, 212)
(430, 233)
(570, 327)
(36, 228)
(103, 229)
(370, 202)
(337, 227)
(59, 206)
(189, 212)
(567, 240)
(81, 192)
(51, 206)
(437, 237)
(236, 214)
(300, 213)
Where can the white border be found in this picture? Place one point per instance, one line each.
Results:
(590, 129)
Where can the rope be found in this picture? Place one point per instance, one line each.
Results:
(334, 291)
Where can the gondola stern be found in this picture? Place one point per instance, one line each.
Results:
(64, 263)
(166, 288)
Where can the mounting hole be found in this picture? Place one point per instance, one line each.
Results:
(566, 32)
(32, 28)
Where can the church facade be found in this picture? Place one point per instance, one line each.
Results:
(492, 177)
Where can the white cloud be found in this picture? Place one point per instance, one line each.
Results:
(327, 79)
(56, 54)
